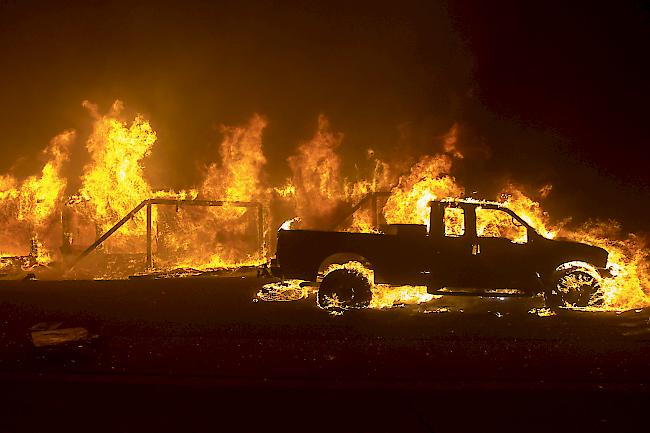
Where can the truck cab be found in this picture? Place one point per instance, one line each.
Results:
(490, 246)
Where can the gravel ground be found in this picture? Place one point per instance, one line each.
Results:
(203, 353)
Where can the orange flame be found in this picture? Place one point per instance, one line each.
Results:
(221, 236)
(316, 175)
(30, 208)
(629, 257)
(428, 180)
(114, 182)
(239, 177)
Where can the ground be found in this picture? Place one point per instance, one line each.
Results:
(196, 354)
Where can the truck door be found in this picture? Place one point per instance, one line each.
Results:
(500, 251)
(452, 245)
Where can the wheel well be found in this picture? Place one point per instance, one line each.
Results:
(339, 259)
(588, 267)
(551, 273)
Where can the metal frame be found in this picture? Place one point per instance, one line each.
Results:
(161, 201)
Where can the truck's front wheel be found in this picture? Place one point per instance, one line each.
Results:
(572, 288)
(344, 289)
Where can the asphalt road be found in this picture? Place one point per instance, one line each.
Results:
(197, 354)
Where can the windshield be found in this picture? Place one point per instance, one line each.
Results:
(498, 223)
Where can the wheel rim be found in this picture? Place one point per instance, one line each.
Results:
(576, 288)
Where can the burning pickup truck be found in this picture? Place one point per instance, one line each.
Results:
(469, 247)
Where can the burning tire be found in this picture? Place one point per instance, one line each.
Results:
(344, 289)
(573, 287)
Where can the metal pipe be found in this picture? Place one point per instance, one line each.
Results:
(167, 201)
(373, 211)
(149, 252)
(260, 230)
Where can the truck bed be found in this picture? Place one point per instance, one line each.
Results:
(397, 259)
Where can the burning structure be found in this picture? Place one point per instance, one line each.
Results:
(229, 219)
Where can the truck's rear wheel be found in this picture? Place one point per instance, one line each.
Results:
(344, 289)
(572, 288)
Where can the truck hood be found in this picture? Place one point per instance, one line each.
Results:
(567, 250)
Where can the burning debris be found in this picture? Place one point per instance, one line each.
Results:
(438, 310)
(382, 295)
(42, 225)
(288, 290)
(542, 312)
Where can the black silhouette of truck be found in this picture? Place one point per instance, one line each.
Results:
(470, 248)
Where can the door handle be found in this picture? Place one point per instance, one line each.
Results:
(476, 249)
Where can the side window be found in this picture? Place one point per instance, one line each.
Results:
(454, 221)
(495, 223)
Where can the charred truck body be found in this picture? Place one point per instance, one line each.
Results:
(471, 248)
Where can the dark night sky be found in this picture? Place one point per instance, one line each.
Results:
(544, 93)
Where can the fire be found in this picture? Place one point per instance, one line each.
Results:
(283, 291)
(29, 208)
(288, 190)
(454, 222)
(114, 182)
(288, 224)
(316, 175)
(381, 178)
(239, 176)
(319, 190)
(629, 258)
(385, 296)
(530, 210)
(220, 236)
(428, 180)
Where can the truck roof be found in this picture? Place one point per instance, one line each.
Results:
(471, 201)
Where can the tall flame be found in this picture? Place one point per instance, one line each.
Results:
(239, 176)
(529, 210)
(225, 235)
(30, 208)
(316, 175)
(113, 182)
(428, 180)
